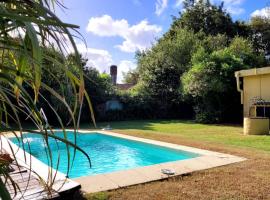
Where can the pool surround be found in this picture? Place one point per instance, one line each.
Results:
(124, 178)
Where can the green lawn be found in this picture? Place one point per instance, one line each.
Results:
(229, 182)
(223, 134)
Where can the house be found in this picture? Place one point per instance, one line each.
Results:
(254, 86)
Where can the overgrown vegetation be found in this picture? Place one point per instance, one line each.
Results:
(191, 68)
(35, 73)
(188, 73)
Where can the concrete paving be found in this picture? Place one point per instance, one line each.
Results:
(205, 160)
(109, 181)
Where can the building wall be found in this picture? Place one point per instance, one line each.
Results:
(255, 86)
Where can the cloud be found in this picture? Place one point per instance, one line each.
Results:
(98, 58)
(124, 67)
(264, 12)
(161, 5)
(232, 6)
(179, 3)
(102, 60)
(106, 26)
(137, 37)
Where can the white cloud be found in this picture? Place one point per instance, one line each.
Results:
(265, 12)
(178, 3)
(232, 6)
(139, 37)
(98, 58)
(102, 60)
(136, 37)
(161, 5)
(124, 67)
(106, 26)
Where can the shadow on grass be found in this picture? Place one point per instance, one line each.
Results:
(151, 124)
(138, 124)
(148, 125)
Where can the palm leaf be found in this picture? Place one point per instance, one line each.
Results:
(27, 29)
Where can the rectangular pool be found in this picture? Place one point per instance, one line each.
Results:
(107, 153)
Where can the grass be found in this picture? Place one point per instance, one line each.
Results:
(223, 134)
(241, 181)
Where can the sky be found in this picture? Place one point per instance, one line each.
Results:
(115, 29)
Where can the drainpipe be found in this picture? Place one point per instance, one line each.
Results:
(238, 86)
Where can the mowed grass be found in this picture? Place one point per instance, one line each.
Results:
(239, 181)
(223, 134)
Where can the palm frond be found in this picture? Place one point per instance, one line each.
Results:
(27, 29)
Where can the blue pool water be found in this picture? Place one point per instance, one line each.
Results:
(107, 153)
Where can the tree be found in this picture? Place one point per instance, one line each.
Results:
(208, 18)
(260, 27)
(99, 86)
(189, 3)
(131, 77)
(27, 28)
(161, 67)
(210, 80)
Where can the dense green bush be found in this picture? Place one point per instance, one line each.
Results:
(211, 82)
(188, 72)
(193, 65)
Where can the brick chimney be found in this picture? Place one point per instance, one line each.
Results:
(113, 72)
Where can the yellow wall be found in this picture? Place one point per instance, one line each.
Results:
(255, 86)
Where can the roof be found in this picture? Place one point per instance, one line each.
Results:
(125, 86)
(253, 72)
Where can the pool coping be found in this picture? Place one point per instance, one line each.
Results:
(119, 179)
(38, 169)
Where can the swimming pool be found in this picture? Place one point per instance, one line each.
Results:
(107, 153)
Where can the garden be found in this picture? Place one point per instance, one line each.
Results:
(183, 92)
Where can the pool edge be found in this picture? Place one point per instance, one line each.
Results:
(61, 184)
(119, 179)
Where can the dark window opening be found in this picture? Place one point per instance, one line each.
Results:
(263, 112)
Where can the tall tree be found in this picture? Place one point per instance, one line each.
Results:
(207, 17)
(261, 34)
(211, 83)
(161, 67)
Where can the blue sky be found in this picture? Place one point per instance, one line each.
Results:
(115, 29)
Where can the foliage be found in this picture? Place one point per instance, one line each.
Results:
(97, 196)
(206, 17)
(203, 48)
(131, 77)
(211, 80)
(100, 88)
(261, 34)
(160, 68)
(27, 29)
(54, 77)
